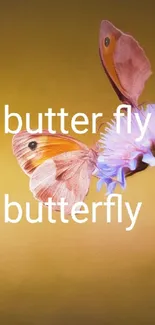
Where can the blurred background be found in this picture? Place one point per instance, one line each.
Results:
(65, 274)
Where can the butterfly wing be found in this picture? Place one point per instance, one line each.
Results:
(65, 176)
(124, 61)
(59, 167)
(45, 146)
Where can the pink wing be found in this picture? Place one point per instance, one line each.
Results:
(129, 60)
(132, 66)
(64, 176)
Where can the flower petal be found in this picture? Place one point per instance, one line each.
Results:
(133, 164)
(149, 159)
(111, 187)
(99, 184)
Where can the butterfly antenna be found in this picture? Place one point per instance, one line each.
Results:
(101, 124)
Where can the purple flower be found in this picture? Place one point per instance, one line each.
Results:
(121, 155)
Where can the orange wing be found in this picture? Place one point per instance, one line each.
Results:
(33, 150)
(107, 43)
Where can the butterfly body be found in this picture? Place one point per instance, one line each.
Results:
(58, 166)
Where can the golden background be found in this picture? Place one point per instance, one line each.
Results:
(95, 274)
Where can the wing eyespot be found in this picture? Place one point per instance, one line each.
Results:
(32, 145)
(107, 41)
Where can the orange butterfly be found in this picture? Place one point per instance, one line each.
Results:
(59, 166)
(124, 62)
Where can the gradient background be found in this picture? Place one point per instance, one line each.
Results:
(72, 274)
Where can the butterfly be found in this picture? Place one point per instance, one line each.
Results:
(58, 166)
(124, 62)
